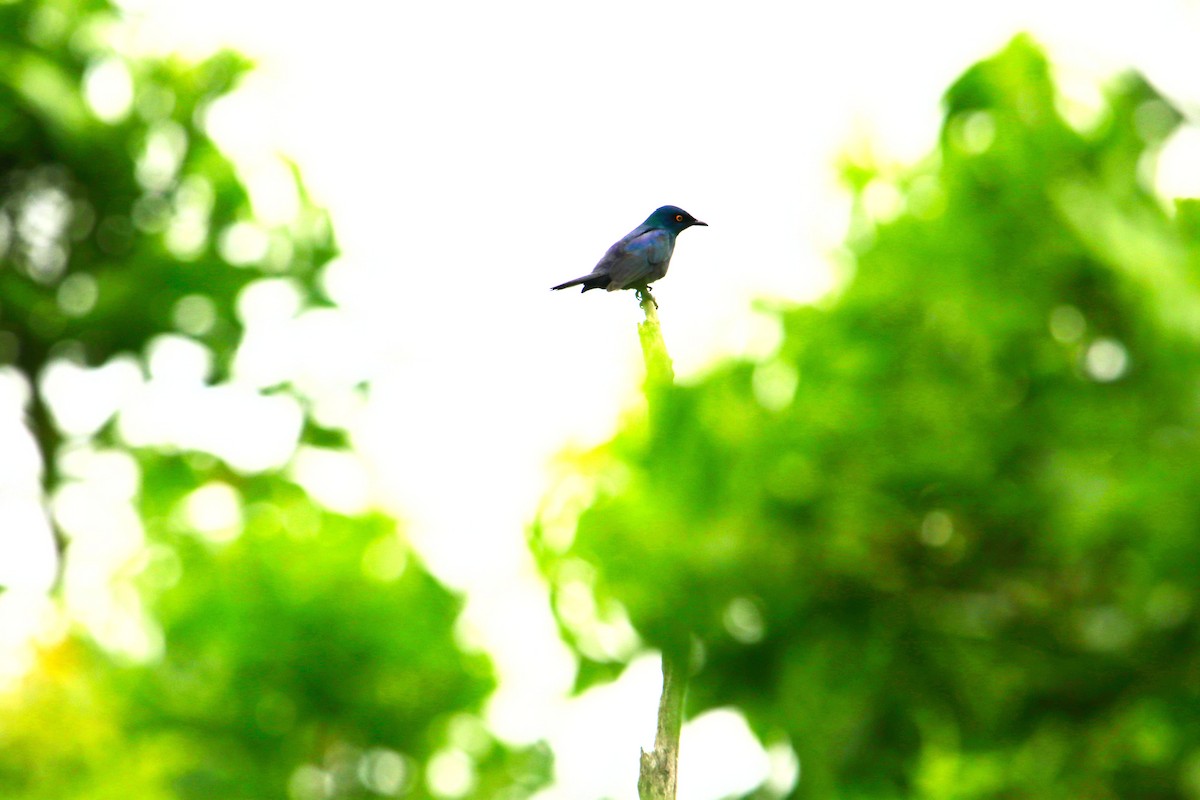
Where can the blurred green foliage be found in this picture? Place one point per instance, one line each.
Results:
(944, 541)
(294, 653)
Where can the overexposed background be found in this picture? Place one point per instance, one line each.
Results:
(473, 154)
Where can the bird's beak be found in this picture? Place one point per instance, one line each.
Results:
(698, 222)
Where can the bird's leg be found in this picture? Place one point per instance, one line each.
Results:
(643, 294)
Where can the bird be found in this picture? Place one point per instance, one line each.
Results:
(640, 257)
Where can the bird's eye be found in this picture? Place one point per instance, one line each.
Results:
(679, 217)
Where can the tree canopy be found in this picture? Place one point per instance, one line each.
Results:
(942, 541)
(215, 632)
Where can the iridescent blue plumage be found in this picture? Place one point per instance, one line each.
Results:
(641, 257)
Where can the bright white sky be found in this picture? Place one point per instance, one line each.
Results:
(474, 154)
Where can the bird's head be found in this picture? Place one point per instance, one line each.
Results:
(672, 218)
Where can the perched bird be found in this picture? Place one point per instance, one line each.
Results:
(642, 255)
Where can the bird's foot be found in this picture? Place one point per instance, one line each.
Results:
(643, 294)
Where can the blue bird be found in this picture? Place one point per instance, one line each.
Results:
(642, 255)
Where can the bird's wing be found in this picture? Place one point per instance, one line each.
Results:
(638, 259)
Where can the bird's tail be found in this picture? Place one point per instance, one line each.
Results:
(588, 282)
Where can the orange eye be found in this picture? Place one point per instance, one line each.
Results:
(679, 217)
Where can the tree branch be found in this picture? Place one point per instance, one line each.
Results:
(660, 767)
(659, 370)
